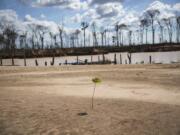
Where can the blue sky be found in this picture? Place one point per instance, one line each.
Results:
(56, 14)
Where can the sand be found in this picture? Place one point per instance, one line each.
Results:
(131, 100)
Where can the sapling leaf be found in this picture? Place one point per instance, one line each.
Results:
(95, 81)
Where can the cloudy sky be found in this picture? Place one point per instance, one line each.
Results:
(71, 13)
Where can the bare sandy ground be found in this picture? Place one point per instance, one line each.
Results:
(131, 100)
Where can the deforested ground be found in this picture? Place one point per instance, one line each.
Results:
(131, 100)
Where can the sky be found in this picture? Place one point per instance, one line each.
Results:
(71, 13)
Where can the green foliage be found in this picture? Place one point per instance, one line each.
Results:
(96, 80)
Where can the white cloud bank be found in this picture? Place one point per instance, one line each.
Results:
(106, 14)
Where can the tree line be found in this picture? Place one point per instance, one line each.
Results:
(148, 30)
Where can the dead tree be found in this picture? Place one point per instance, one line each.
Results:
(120, 59)
(169, 26)
(115, 59)
(11, 36)
(129, 57)
(152, 15)
(23, 42)
(60, 28)
(95, 42)
(161, 28)
(77, 32)
(117, 34)
(84, 26)
(178, 29)
(121, 28)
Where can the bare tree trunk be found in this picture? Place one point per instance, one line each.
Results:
(115, 59)
(120, 59)
(24, 57)
(77, 60)
(98, 59)
(103, 59)
(1, 63)
(91, 59)
(129, 57)
(52, 62)
(153, 32)
(12, 56)
(150, 59)
(117, 37)
(36, 62)
(146, 35)
(84, 38)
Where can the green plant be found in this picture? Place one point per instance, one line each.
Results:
(95, 81)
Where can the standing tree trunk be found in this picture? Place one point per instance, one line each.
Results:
(129, 57)
(1, 63)
(120, 59)
(24, 57)
(84, 37)
(146, 35)
(153, 32)
(115, 59)
(117, 37)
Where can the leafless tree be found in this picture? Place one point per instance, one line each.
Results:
(95, 42)
(77, 32)
(41, 30)
(61, 30)
(102, 35)
(51, 37)
(152, 15)
(121, 28)
(10, 38)
(178, 29)
(161, 28)
(117, 34)
(23, 43)
(169, 25)
(130, 37)
(84, 26)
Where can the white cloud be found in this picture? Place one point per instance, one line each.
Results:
(9, 17)
(157, 5)
(98, 2)
(67, 4)
(109, 10)
(166, 10)
(176, 9)
(50, 25)
(130, 18)
(77, 18)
